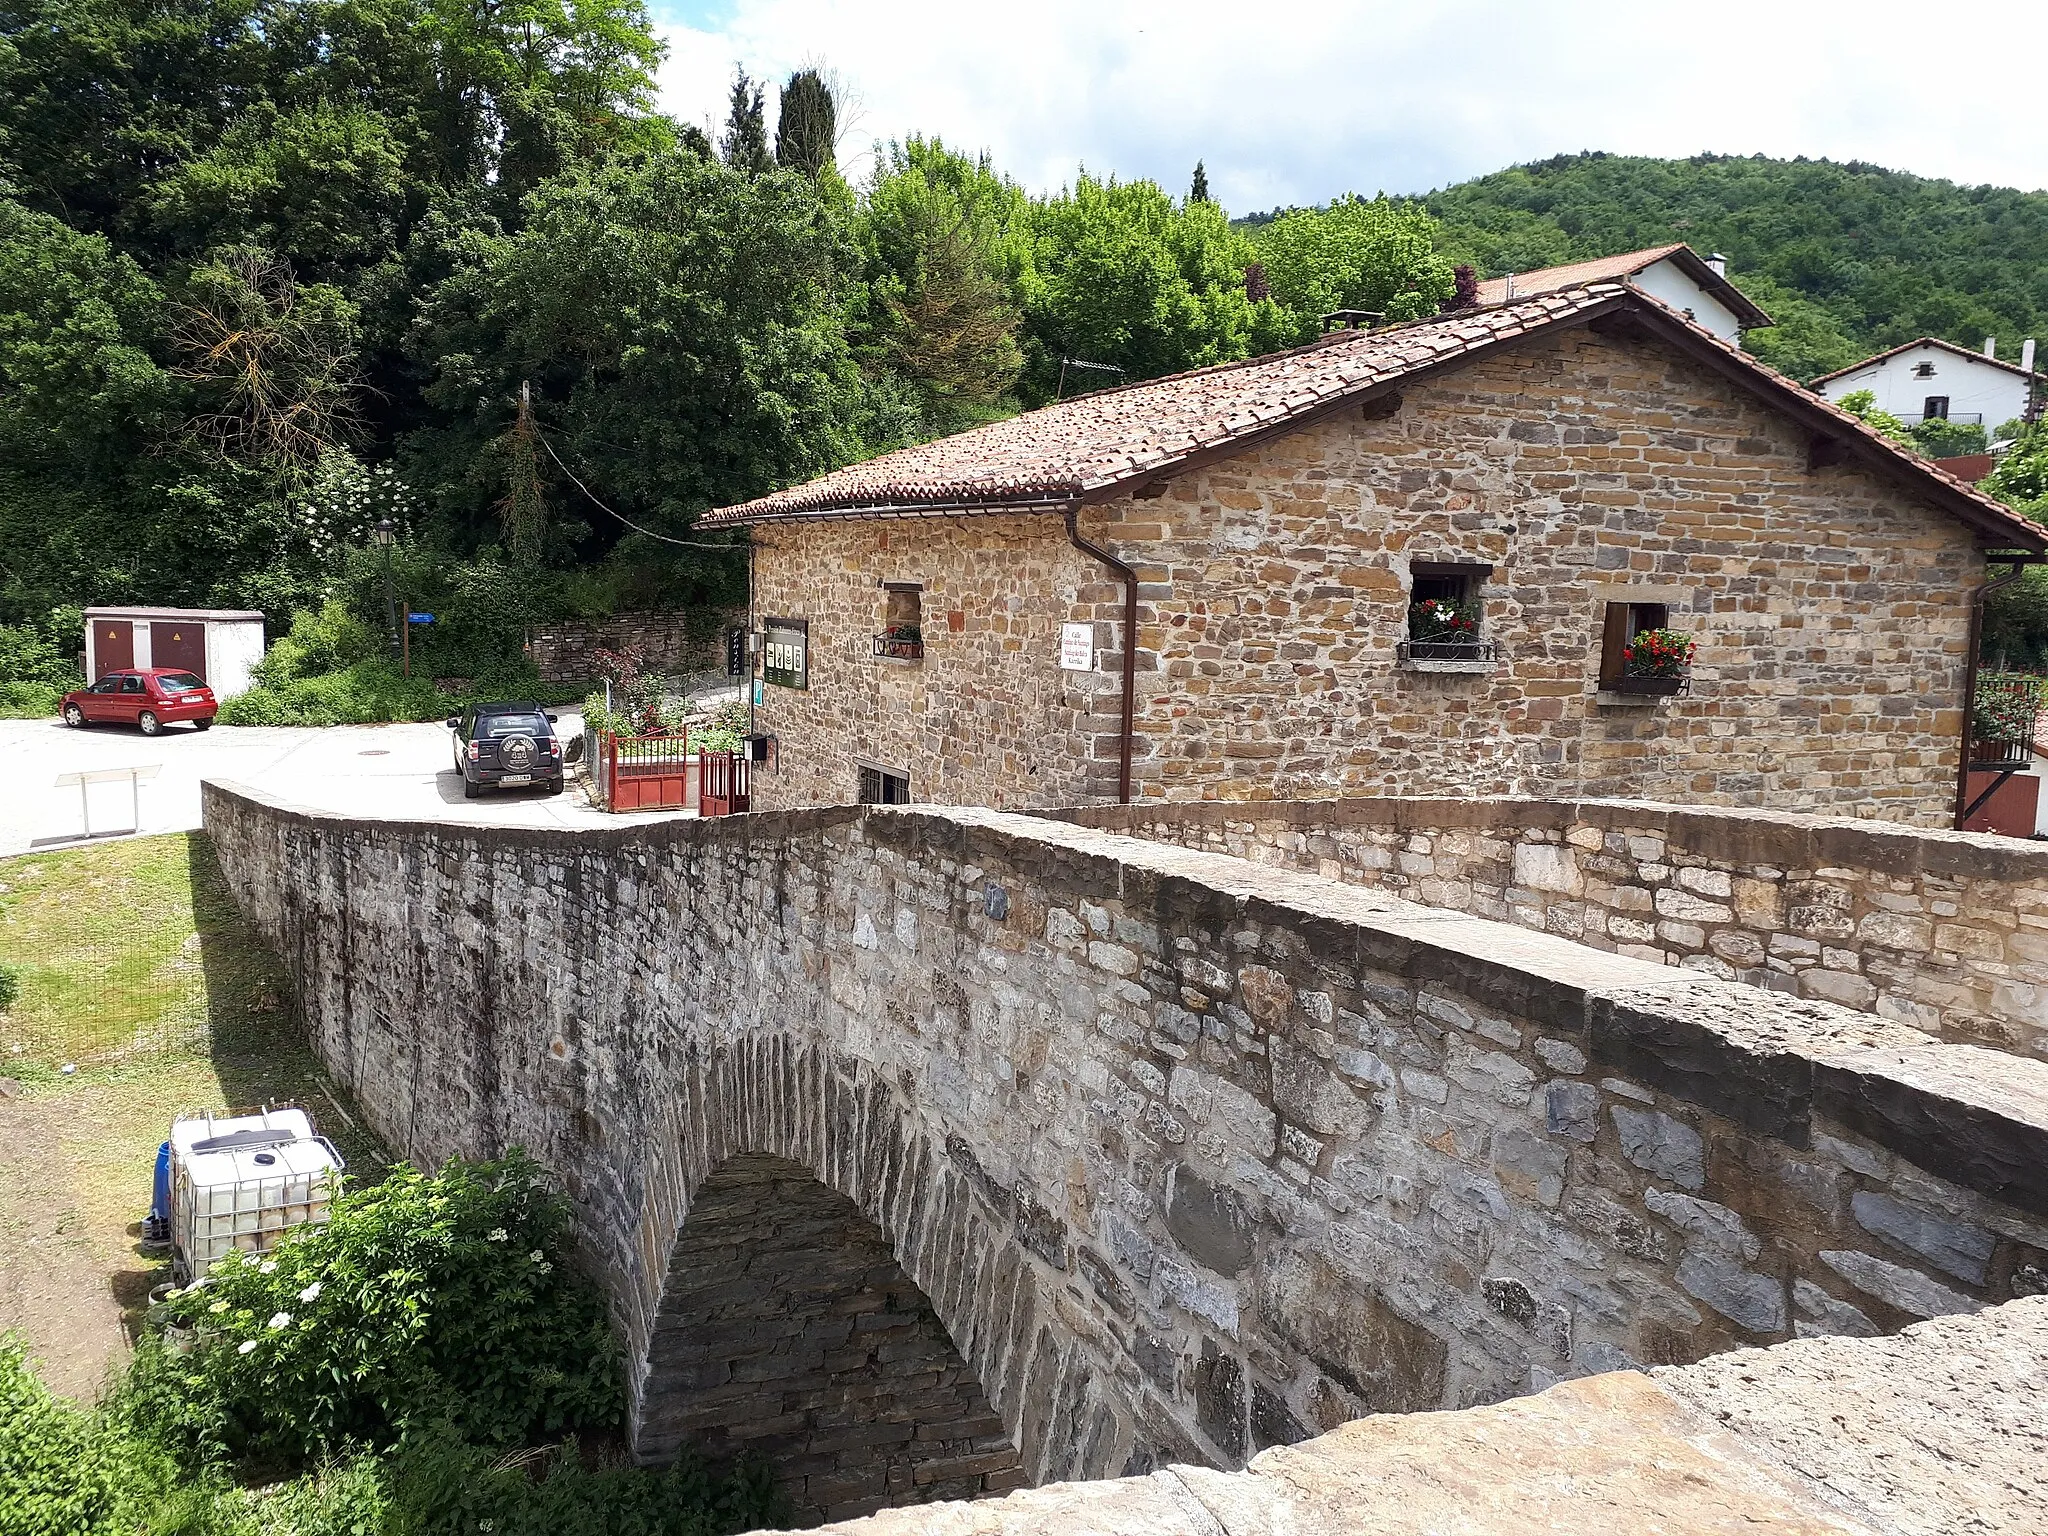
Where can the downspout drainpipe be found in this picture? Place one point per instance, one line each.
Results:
(2019, 568)
(1129, 578)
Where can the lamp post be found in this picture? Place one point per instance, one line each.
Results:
(384, 535)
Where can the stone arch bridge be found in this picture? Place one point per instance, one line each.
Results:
(938, 1152)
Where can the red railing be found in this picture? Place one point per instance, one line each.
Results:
(648, 773)
(725, 784)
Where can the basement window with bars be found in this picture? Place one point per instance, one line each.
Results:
(878, 786)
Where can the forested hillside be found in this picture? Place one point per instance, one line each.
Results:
(1848, 259)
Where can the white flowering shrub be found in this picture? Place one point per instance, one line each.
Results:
(344, 501)
(427, 1298)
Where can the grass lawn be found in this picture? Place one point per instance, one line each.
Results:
(136, 970)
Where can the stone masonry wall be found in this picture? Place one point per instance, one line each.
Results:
(1830, 609)
(1946, 932)
(789, 1331)
(987, 717)
(1189, 1156)
(671, 643)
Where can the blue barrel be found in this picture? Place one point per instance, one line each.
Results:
(158, 1228)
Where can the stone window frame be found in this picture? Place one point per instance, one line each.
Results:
(1471, 577)
(901, 637)
(1607, 648)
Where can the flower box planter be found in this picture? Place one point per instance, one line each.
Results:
(899, 647)
(1654, 687)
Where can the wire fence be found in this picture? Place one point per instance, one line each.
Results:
(127, 951)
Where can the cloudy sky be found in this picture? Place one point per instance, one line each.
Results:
(1293, 101)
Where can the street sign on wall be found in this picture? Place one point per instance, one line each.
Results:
(1077, 647)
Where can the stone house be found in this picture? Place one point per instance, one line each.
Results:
(1208, 586)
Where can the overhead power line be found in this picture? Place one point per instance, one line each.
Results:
(615, 512)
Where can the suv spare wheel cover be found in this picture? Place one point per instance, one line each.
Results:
(516, 754)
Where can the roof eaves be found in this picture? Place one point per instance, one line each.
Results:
(824, 510)
(1748, 313)
(1922, 341)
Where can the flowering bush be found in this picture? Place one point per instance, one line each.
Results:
(1442, 618)
(427, 1298)
(2005, 708)
(1657, 653)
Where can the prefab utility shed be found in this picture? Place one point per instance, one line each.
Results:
(222, 645)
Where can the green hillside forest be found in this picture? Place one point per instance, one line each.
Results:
(275, 271)
(1848, 259)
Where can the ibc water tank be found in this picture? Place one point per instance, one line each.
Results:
(239, 1181)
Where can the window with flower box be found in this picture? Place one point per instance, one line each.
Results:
(1641, 654)
(1446, 618)
(902, 636)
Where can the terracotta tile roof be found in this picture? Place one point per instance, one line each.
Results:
(1619, 269)
(1924, 341)
(1061, 451)
(1097, 446)
(1602, 269)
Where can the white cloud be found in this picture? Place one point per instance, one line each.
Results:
(1295, 102)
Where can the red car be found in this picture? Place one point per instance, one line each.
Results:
(148, 698)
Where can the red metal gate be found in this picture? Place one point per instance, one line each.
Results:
(648, 773)
(725, 784)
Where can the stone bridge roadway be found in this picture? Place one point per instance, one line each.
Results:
(932, 1152)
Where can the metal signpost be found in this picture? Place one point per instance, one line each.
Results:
(410, 620)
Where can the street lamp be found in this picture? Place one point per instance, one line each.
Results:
(385, 535)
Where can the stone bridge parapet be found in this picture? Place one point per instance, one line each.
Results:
(1944, 931)
(1186, 1156)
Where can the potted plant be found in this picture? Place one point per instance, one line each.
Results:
(2002, 719)
(1443, 629)
(1655, 661)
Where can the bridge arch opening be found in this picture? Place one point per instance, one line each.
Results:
(788, 1329)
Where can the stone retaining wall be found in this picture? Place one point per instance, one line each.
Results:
(1946, 932)
(1188, 1156)
(670, 643)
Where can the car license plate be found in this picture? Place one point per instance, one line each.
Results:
(517, 778)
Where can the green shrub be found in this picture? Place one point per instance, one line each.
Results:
(34, 674)
(29, 701)
(438, 1483)
(64, 1470)
(427, 1298)
(1940, 438)
(10, 986)
(330, 640)
(367, 693)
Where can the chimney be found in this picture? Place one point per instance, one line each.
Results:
(1719, 263)
(1991, 348)
(2027, 354)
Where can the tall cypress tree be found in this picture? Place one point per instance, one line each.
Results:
(1199, 192)
(745, 145)
(807, 124)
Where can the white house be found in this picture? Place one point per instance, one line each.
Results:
(1675, 275)
(222, 645)
(1931, 377)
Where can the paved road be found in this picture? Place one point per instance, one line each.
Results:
(380, 770)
